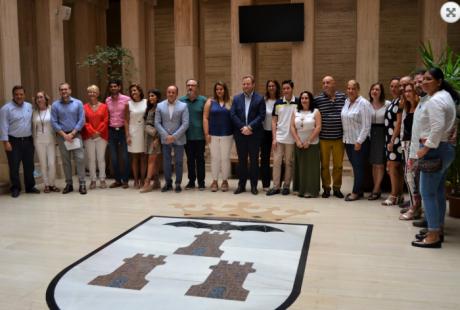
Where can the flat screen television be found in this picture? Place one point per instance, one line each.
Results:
(271, 23)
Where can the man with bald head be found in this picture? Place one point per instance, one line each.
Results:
(171, 122)
(330, 103)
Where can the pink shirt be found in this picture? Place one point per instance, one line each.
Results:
(117, 110)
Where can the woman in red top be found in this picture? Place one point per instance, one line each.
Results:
(95, 135)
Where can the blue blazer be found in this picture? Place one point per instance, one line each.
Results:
(256, 113)
(176, 125)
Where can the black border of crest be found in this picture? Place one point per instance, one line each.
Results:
(296, 289)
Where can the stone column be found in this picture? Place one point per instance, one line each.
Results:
(367, 43)
(432, 27)
(302, 52)
(186, 41)
(133, 36)
(50, 45)
(243, 55)
(149, 9)
(10, 68)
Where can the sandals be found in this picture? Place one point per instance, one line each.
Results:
(47, 189)
(390, 201)
(374, 196)
(411, 214)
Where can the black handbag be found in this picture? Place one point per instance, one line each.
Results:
(430, 165)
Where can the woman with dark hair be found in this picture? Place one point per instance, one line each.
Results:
(152, 142)
(393, 149)
(356, 121)
(272, 93)
(134, 127)
(436, 154)
(44, 140)
(218, 131)
(305, 128)
(377, 145)
(410, 101)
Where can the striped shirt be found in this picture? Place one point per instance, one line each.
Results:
(356, 120)
(331, 122)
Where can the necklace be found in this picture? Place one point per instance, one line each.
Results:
(42, 120)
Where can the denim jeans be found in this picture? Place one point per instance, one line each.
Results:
(432, 186)
(358, 161)
(178, 162)
(118, 138)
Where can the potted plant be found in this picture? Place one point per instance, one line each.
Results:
(449, 63)
(110, 62)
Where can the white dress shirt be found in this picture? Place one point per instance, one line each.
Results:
(356, 120)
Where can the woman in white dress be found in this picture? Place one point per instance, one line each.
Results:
(134, 126)
(44, 140)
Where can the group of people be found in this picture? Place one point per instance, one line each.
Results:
(410, 136)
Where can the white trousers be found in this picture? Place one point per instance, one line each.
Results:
(95, 151)
(220, 147)
(47, 157)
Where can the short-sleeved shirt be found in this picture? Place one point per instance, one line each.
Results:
(116, 109)
(331, 121)
(283, 110)
(195, 110)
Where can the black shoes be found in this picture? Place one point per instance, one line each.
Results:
(67, 189)
(421, 223)
(273, 191)
(82, 189)
(189, 185)
(166, 188)
(326, 193)
(178, 189)
(239, 190)
(254, 190)
(201, 187)
(285, 191)
(33, 190)
(15, 193)
(338, 193)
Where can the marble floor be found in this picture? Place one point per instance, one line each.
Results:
(359, 258)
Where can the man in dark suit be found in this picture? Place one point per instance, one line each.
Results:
(248, 113)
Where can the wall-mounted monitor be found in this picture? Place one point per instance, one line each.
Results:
(271, 23)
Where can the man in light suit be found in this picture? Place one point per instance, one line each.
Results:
(172, 121)
(248, 113)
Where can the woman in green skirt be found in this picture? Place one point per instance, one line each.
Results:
(305, 128)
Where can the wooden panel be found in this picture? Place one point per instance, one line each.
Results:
(273, 62)
(216, 50)
(335, 41)
(453, 36)
(398, 39)
(164, 45)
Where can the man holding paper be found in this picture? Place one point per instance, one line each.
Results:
(67, 119)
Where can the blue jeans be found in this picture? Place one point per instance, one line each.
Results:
(358, 161)
(432, 186)
(178, 162)
(117, 138)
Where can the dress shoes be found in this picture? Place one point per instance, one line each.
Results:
(115, 184)
(33, 190)
(421, 223)
(125, 185)
(178, 189)
(239, 190)
(190, 185)
(166, 188)
(326, 193)
(285, 191)
(201, 187)
(254, 190)
(82, 189)
(67, 189)
(351, 197)
(15, 193)
(338, 194)
(273, 191)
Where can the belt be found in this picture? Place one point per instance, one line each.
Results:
(117, 128)
(11, 138)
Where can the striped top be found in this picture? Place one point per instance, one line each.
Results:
(331, 121)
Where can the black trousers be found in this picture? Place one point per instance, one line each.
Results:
(265, 151)
(194, 149)
(248, 146)
(23, 151)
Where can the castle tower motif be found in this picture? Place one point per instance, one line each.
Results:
(130, 275)
(225, 282)
(206, 244)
